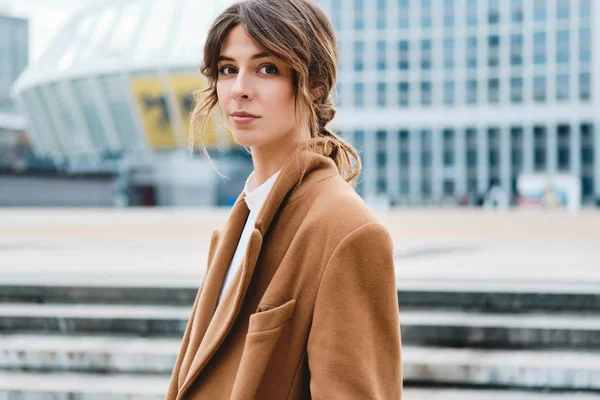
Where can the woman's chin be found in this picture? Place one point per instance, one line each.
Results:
(246, 139)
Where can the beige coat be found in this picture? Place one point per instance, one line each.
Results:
(312, 312)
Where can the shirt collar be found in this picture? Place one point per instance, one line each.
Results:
(255, 198)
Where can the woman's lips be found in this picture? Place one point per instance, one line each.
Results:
(242, 120)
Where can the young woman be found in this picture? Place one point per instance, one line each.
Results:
(299, 299)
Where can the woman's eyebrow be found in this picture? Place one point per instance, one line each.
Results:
(254, 57)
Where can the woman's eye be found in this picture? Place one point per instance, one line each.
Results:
(269, 69)
(226, 70)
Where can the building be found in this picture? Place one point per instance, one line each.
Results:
(112, 94)
(13, 60)
(446, 98)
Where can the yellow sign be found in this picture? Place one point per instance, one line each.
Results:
(184, 87)
(155, 113)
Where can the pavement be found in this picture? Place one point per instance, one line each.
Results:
(466, 247)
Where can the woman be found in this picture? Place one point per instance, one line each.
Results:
(299, 298)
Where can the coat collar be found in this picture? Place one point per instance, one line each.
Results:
(309, 163)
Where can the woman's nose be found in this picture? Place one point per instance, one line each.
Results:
(242, 87)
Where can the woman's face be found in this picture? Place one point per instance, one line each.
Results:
(255, 92)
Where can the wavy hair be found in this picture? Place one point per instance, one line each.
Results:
(299, 34)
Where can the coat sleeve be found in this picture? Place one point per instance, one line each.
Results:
(354, 343)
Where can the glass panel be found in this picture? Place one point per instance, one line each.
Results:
(539, 88)
(381, 94)
(90, 114)
(114, 90)
(562, 87)
(425, 93)
(562, 47)
(359, 94)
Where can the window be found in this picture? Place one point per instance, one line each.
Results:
(359, 54)
(381, 94)
(403, 55)
(516, 90)
(403, 14)
(359, 94)
(587, 160)
(425, 93)
(493, 139)
(562, 47)
(336, 14)
(449, 53)
(381, 137)
(516, 49)
(584, 86)
(426, 147)
(404, 161)
(585, 9)
(562, 9)
(539, 10)
(471, 159)
(471, 52)
(448, 13)
(448, 143)
(426, 54)
(539, 148)
(359, 15)
(449, 92)
(539, 89)
(584, 45)
(562, 87)
(403, 94)
(471, 91)
(471, 12)
(539, 48)
(516, 11)
(516, 155)
(381, 55)
(381, 14)
(425, 13)
(493, 50)
(563, 153)
(493, 12)
(493, 90)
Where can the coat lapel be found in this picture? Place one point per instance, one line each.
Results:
(210, 326)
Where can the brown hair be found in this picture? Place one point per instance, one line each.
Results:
(298, 33)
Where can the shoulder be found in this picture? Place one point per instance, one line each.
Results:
(331, 210)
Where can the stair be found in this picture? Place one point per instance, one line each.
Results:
(460, 340)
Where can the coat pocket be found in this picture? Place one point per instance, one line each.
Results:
(271, 317)
(264, 331)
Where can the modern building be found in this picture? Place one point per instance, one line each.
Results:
(112, 93)
(13, 60)
(446, 98)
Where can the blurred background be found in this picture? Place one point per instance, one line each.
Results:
(478, 125)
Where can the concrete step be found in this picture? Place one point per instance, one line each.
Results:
(500, 331)
(94, 318)
(82, 386)
(549, 369)
(432, 328)
(482, 296)
(541, 369)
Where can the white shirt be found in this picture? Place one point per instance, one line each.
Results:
(255, 199)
